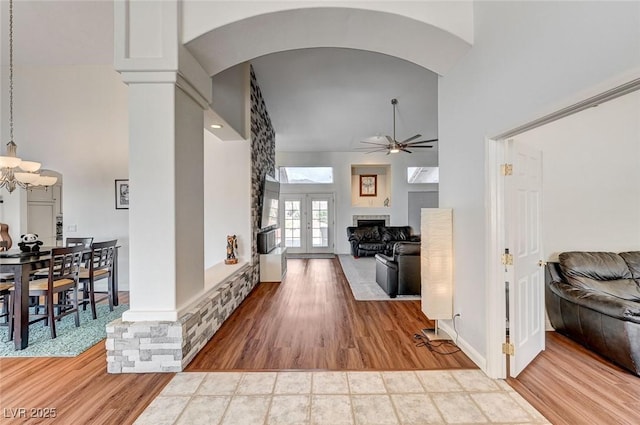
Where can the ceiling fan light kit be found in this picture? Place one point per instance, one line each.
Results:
(393, 145)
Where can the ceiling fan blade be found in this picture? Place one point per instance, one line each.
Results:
(405, 150)
(415, 146)
(390, 140)
(422, 141)
(388, 152)
(411, 138)
(374, 143)
(372, 149)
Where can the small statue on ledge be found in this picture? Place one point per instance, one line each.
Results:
(232, 245)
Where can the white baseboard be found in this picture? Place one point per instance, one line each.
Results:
(467, 349)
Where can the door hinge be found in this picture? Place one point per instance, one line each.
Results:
(508, 348)
(506, 169)
(507, 259)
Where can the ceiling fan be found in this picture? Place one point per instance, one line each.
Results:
(394, 146)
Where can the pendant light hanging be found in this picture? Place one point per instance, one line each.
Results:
(14, 172)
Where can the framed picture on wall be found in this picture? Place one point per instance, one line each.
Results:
(368, 185)
(122, 194)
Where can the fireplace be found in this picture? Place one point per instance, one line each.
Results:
(371, 220)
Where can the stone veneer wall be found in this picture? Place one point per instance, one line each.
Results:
(139, 347)
(263, 160)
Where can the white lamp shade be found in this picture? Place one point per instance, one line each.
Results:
(27, 178)
(9, 161)
(46, 180)
(30, 166)
(436, 262)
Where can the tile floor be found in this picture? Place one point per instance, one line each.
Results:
(336, 398)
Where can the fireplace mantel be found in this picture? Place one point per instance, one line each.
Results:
(386, 218)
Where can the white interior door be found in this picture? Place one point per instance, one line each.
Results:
(41, 220)
(526, 277)
(307, 223)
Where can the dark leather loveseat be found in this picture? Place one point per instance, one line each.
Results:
(399, 274)
(367, 241)
(594, 298)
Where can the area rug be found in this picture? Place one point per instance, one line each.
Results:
(361, 275)
(70, 341)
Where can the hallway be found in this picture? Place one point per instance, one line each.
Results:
(311, 321)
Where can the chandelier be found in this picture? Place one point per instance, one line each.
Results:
(14, 172)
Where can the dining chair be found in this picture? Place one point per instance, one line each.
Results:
(100, 267)
(82, 241)
(4, 298)
(5, 277)
(86, 242)
(63, 276)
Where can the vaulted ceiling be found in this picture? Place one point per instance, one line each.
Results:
(322, 99)
(330, 99)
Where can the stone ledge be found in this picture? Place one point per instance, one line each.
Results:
(155, 346)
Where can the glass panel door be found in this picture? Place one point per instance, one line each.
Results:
(293, 224)
(307, 221)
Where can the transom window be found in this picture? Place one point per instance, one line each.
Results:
(306, 175)
(423, 175)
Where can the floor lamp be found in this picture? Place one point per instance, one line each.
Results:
(436, 267)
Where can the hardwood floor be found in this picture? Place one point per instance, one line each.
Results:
(79, 389)
(571, 385)
(567, 383)
(311, 321)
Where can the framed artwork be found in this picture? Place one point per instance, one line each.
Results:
(368, 185)
(122, 194)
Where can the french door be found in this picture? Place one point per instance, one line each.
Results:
(307, 223)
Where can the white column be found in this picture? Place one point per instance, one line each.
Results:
(168, 91)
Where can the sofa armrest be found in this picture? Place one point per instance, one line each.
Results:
(352, 235)
(406, 248)
(597, 301)
(414, 238)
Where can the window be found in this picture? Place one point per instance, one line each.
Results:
(423, 175)
(306, 175)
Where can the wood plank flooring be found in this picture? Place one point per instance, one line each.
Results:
(312, 321)
(566, 383)
(78, 388)
(571, 385)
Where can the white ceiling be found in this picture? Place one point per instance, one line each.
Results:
(329, 99)
(322, 99)
(58, 32)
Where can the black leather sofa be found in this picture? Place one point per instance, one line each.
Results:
(399, 274)
(367, 241)
(594, 298)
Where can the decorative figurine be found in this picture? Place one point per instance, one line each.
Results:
(232, 245)
(386, 202)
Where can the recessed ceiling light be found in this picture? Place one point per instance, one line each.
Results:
(216, 125)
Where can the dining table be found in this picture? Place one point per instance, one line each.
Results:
(23, 265)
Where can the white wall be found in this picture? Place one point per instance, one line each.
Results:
(528, 58)
(591, 171)
(229, 96)
(341, 163)
(227, 198)
(74, 120)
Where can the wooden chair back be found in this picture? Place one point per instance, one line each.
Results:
(86, 242)
(65, 263)
(102, 256)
